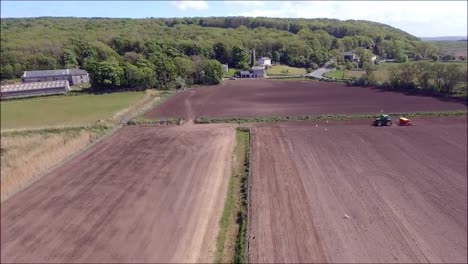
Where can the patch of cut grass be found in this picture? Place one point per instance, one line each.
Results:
(285, 70)
(230, 73)
(231, 243)
(344, 74)
(63, 110)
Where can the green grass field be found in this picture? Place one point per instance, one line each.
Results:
(63, 110)
(230, 72)
(285, 70)
(344, 74)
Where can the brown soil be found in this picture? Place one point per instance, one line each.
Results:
(146, 194)
(355, 193)
(251, 98)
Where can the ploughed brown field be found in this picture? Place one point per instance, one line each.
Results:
(347, 192)
(146, 194)
(262, 98)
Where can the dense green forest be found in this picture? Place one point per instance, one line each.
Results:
(167, 52)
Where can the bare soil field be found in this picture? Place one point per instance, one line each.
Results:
(254, 98)
(146, 194)
(342, 192)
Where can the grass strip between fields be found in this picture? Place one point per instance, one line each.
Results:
(337, 117)
(99, 129)
(231, 243)
(145, 121)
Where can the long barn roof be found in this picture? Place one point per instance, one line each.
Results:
(54, 73)
(33, 86)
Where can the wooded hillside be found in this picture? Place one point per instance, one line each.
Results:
(146, 44)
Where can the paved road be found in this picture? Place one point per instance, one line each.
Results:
(318, 74)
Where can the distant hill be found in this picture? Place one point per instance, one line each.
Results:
(445, 38)
(69, 42)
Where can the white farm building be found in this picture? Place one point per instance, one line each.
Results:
(73, 76)
(36, 83)
(264, 61)
(34, 89)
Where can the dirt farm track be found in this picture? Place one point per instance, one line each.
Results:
(260, 98)
(140, 196)
(353, 193)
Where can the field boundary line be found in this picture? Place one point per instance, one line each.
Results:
(51, 129)
(249, 187)
(334, 117)
(232, 238)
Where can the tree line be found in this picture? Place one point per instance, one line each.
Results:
(130, 50)
(424, 76)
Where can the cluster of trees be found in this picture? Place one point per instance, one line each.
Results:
(439, 78)
(158, 71)
(124, 52)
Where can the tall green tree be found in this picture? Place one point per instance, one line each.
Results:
(221, 53)
(240, 57)
(452, 75)
(213, 72)
(276, 56)
(165, 71)
(69, 59)
(105, 74)
(184, 69)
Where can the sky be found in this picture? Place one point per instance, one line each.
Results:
(419, 18)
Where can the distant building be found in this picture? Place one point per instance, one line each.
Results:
(73, 76)
(258, 72)
(350, 56)
(225, 67)
(254, 72)
(264, 61)
(34, 89)
(245, 74)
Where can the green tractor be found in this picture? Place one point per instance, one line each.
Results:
(383, 120)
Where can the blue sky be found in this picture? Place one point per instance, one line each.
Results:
(420, 18)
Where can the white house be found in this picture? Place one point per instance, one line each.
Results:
(351, 56)
(225, 68)
(264, 61)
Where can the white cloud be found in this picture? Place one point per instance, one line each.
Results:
(188, 5)
(244, 3)
(421, 18)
